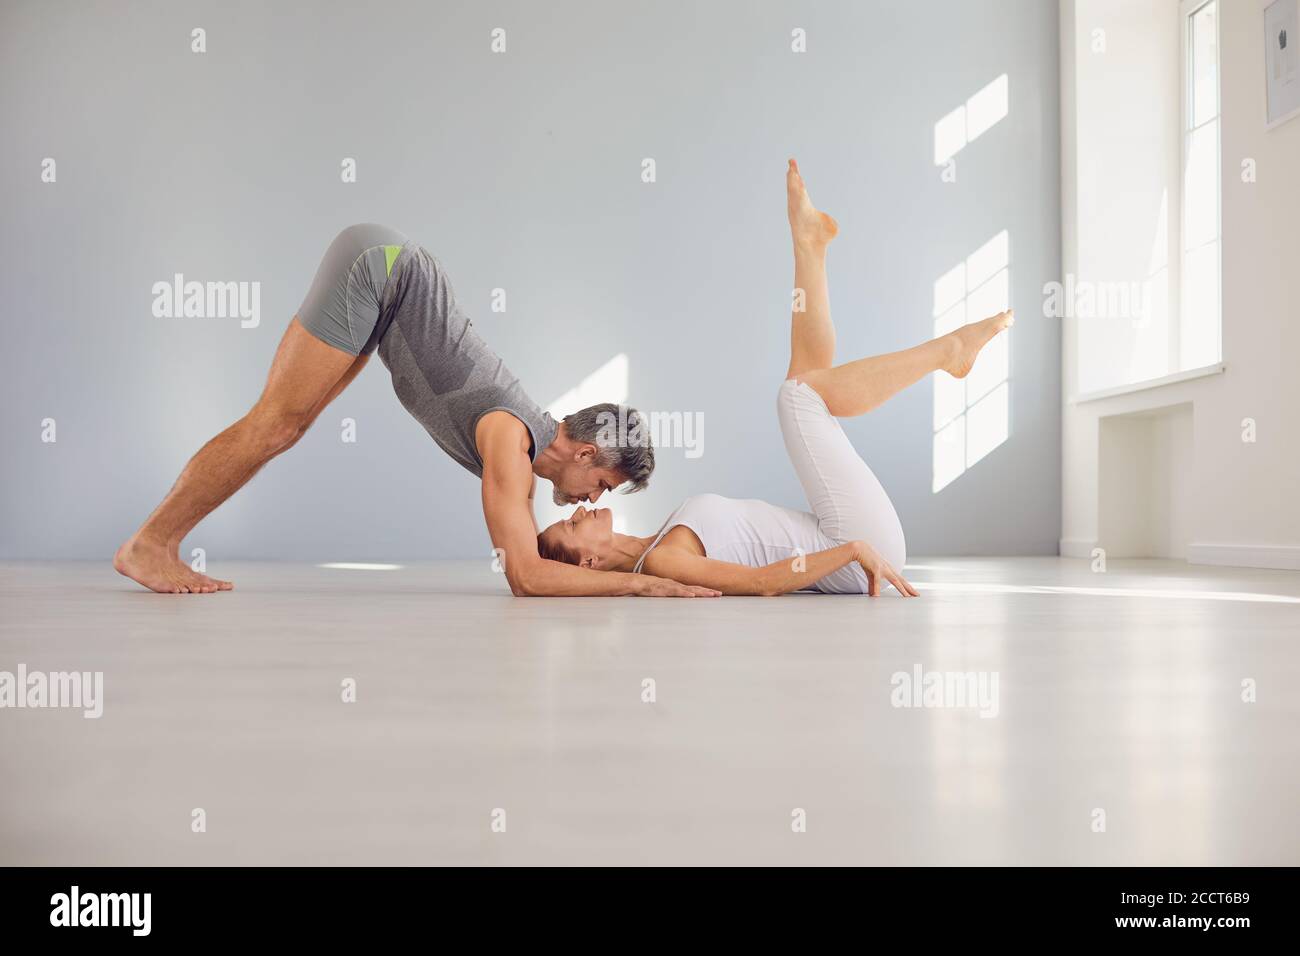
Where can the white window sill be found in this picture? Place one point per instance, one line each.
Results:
(1173, 379)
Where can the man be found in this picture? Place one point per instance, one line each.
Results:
(375, 290)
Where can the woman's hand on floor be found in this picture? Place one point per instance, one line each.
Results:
(878, 569)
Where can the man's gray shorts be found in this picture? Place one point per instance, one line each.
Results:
(342, 307)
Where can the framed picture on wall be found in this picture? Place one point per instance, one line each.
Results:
(1282, 60)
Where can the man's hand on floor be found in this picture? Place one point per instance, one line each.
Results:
(663, 587)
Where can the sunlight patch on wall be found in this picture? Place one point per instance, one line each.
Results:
(609, 383)
(955, 131)
(972, 416)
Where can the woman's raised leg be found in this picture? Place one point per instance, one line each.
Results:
(849, 501)
(857, 387)
(812, 334)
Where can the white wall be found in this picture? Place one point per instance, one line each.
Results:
(1243, 495)
(520, 171)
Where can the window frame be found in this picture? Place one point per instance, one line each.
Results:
(1188, 10)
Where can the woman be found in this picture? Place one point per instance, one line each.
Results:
(851, 541)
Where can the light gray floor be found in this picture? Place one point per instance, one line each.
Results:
(1119, 691)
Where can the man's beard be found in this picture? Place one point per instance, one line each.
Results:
(559, 497)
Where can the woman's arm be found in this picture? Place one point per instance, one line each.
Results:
(779, 578)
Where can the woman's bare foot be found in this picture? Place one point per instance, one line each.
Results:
(965, 343)
(808, 226)
(159, 569)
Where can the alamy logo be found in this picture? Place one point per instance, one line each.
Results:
(179, 299)
(102, 909)
(75, 689)
(658, 429)
(946, 689)
(1084, 299)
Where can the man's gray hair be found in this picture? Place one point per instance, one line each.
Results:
(622, 436)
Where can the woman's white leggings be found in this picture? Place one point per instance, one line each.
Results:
(844, 494)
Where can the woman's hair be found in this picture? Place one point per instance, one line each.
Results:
(555, 551)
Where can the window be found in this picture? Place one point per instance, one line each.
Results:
(1197, 341)
(1142, 293)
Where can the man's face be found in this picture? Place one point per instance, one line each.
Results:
(581, 481)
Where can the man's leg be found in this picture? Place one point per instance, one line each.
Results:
(857, 387)
(305, 376)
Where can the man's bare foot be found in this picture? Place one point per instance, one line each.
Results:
(809, 226)
(159, 569)
(965, 343)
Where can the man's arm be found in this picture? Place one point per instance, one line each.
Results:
(532, 498)
(507, 480)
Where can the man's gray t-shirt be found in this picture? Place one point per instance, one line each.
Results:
(443, 373)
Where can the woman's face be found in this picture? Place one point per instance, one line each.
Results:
(588, 534)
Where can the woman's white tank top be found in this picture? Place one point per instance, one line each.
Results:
(755, 533)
